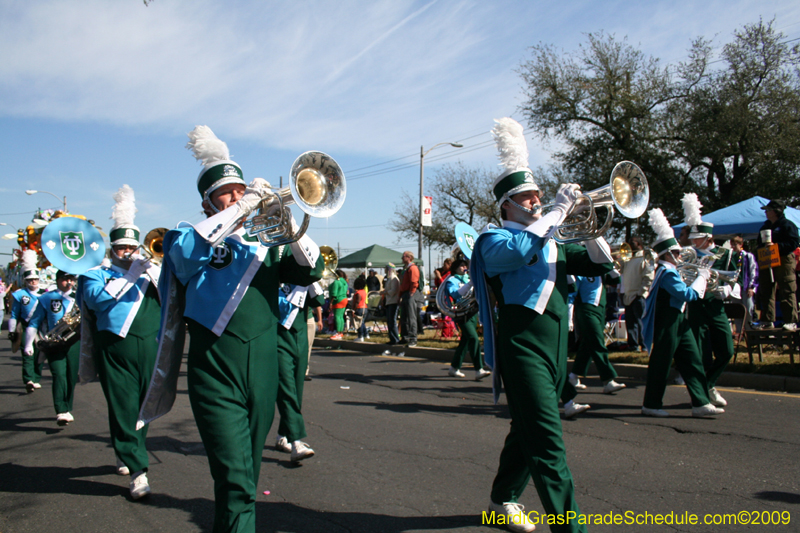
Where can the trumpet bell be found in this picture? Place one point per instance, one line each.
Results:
(154, 242)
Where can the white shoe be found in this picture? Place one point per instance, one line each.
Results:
(576, 382)
(122, 470)
(612, 386)
(455, 373)
(516, 519)
(37, 385)
(282, 445)
(790, 327)
(360, 339)
(706, 410)
(679, 380)
(139, 485)
(571, 408)
(658, 413)
(29, 386)
(63, 419)
(481, 373)
(300, 451)
(716, 398)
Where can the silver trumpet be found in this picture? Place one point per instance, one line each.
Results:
(627, 190)
(316, 185)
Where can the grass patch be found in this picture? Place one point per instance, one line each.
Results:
(775, 361)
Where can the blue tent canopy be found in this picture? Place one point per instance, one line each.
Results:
(746, 218)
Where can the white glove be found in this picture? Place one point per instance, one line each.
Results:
(30, 336)
(699, 284)
(599, 251)
(704, 273)
(566, 196)
(119, 286)
(723, 292)
(258, 189)
(465, 288)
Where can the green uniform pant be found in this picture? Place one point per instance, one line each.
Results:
(232, 389)
(674, 340)
(125, 367)
(711, 313)
(31, 367)
(292, 364)
(532, 357)
(338, 315)
(470, 343)
(592, 344)
(64, 367)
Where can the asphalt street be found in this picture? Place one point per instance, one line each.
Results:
(400, 447)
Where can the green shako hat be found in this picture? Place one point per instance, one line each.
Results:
(124, 231)
(691, 212)
(513, 153)
(665, 238)
(218, 169)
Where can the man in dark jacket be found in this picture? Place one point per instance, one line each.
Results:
(784, 234)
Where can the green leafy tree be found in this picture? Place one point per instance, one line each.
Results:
(461, 193)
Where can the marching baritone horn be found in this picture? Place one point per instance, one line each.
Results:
(467, 304)
(316, 184)
(331, 262)
(627, 190)
(689, 264)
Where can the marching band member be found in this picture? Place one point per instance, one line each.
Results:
(667, 331)
(590, 317)
(707, 314)
(23, 306)
(456, 286)
(231, 294)
(293, 339)
(527, 273)
(63, 363)
(122, 306)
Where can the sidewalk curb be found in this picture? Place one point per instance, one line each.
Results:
(762, 382)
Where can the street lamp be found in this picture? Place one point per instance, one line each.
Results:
(32, 191)
(422, 154)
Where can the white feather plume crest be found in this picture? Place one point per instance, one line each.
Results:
(658, 221)
(124, 209)
(29, 260)
(691, 209)
(206, 147)
(511, 146)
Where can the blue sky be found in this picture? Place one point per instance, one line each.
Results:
(94, 94)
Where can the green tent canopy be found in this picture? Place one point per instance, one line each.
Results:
(375, 256)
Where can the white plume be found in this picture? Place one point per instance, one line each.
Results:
(124, 209)
(660, 224)
(29, 260)
(511, 146)
(691, 209)
(206, 147)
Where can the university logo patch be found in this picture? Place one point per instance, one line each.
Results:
(72, 245)
(223, 256)
(529, 178)
(130, 234)
(25, 300)
(470, 240)
(229, 171)
(56, 306)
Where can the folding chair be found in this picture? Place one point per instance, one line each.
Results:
(374, 312)
(736, 312)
